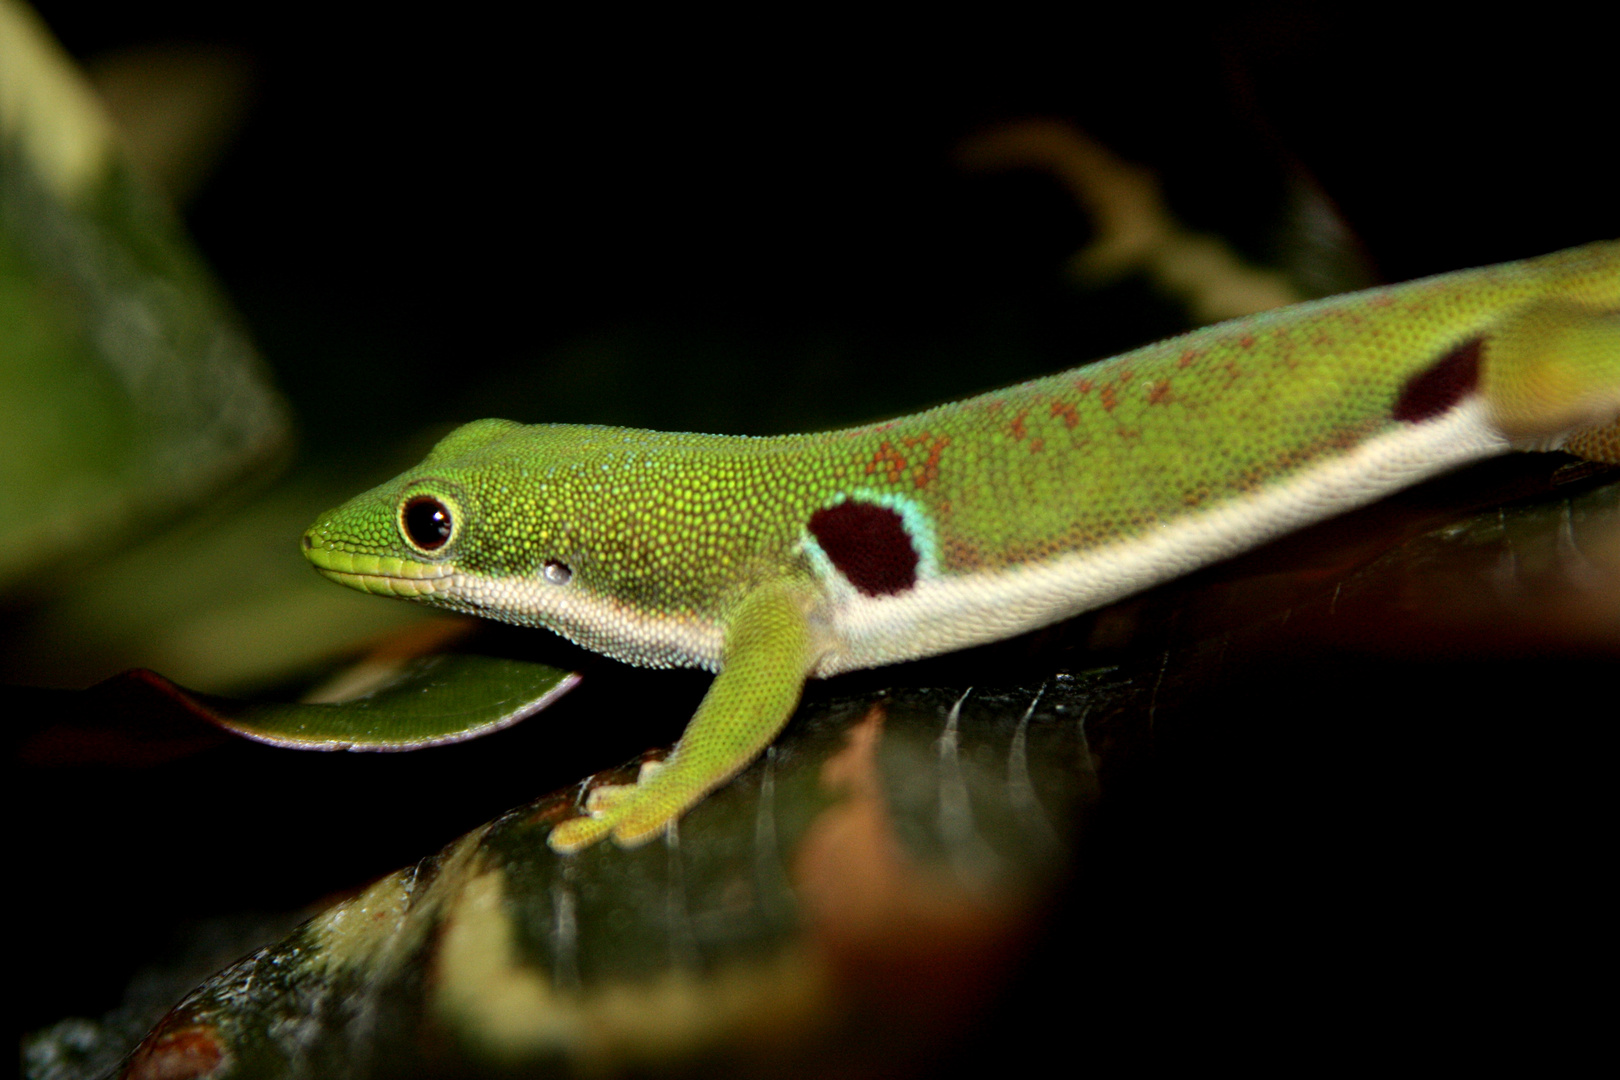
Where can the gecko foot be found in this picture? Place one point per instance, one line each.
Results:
(613, 808)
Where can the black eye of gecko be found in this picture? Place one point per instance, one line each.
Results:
(557, 573)
(427, 522)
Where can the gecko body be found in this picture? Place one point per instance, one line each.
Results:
(770, 560)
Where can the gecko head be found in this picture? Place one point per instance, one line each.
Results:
(465, 529)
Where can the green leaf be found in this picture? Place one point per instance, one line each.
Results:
(427, 701)
(128, 391)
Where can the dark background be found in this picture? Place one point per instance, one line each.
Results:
(420, 214)
(757, 226)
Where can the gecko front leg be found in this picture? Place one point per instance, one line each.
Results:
(768, 655)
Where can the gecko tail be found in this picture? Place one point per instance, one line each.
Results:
(1551, 377)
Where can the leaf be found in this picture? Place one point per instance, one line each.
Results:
(128, 392)
(861, 855)
(428, 701)
(433, 700)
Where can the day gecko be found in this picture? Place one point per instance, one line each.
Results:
(771, 560)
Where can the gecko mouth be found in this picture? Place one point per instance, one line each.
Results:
(385, 575)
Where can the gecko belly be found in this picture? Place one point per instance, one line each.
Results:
(944, 612)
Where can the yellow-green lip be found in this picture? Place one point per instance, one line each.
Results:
(387, 575)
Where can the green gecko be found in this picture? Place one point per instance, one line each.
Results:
(772, 560)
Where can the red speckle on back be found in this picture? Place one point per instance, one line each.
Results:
(887, 460)
(868, 544)
(1037, 444)
(1084, 386)
(1017, 428)
(928, 471)
(1441, 385)
(1160, 393)
(1246, 341)
(1188, 357)
(1106, 397)
(1066, 410)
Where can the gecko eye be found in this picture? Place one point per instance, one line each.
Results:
(557, 573)
(427, 522)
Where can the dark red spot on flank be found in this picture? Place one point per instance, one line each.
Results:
(1441, 385)
(869, 546)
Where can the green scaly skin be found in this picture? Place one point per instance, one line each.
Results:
(1003, 512)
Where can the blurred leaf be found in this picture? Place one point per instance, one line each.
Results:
(224, 603)
(176, 108)
(1136, 233)
(127, 390)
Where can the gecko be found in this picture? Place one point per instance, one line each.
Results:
(772, 560)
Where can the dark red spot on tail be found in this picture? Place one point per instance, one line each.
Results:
(869, 545)
(1440, 385)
